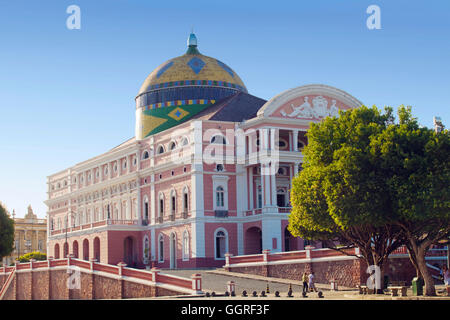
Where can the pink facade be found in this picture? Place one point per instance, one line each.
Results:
(186, 196)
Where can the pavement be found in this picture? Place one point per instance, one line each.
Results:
(215, 280)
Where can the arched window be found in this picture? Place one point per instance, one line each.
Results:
(145, 155)
(221, 244)
(218, 139)
(173, 202)
(172, 145)
(185, 200)
(146, 248)
(220, 197)
(185, 254)
(219, 167)
(146, 208)
(160, 149)
(56, 251)
(184, 142)
(161, 248)
(161, 205)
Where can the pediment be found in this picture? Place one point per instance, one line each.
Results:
(311, 102)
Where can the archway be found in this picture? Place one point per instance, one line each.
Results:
(290, 242)
(75, 249)
(253, 240)
(86, 249)
(56, 251)
(97, 249)
(221, 244)
(128, 251)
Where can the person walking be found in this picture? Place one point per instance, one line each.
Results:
(311, 283)
(305, 282)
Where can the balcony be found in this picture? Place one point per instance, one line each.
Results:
(172, 217)
(268, 210)
(221, 213)
(95, 225)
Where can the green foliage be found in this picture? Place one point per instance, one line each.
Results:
(374, 183)
(6, 233)
(341, 185)
(33, 255)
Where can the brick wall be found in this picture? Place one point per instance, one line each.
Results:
(52, 284)
(347, 273)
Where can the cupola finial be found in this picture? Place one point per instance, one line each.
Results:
(192, 43)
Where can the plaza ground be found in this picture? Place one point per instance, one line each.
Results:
(215, 280)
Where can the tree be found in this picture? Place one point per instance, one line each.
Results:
(417, 162)
(340, 195)
(33, 255)
(6, 233)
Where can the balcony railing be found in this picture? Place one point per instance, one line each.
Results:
(221, 213)
(94, 225)
(123, 222)
(260, 211)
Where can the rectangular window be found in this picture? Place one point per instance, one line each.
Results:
(220, 199)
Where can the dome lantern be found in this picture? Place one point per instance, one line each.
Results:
(192, 44)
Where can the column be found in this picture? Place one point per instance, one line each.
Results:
(274, 185)
(291, 146)
(250, 188)
(128, 164)
(153, 200)
(271, 235)
(296, 168)
(272, 139)
(295, 142)
(262, 185)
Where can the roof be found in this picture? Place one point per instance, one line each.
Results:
(238, 107)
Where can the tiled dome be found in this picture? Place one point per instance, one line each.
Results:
(189, 83)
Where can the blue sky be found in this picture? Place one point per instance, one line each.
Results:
(68, 95)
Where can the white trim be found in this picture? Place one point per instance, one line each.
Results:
(185, 252)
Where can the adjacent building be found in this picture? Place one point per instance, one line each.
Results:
(30, 234)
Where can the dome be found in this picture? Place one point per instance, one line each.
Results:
(189, 84)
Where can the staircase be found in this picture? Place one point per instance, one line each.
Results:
(7, 283)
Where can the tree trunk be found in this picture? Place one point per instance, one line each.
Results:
(428, 279)
(412, 257)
